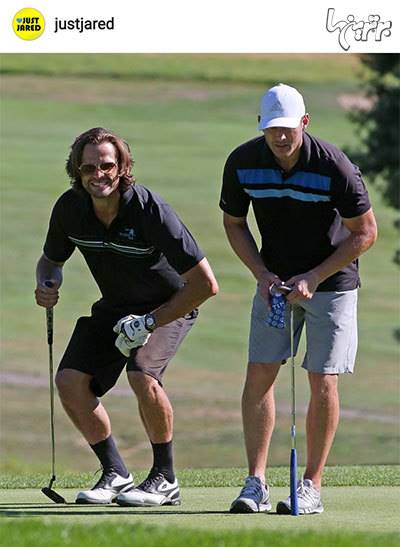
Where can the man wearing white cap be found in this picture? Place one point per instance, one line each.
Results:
(315, 219)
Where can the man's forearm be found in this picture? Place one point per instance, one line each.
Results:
(200, 284)
(350, 249)
(363, 234)
(242, 242)
(182, 302)
(47, 270)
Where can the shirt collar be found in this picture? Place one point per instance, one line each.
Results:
(125, 199)
(305, 152)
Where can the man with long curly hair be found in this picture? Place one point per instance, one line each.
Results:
(152, 277)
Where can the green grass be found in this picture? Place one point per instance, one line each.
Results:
(181, 124)
(355, 475)
(204, 511)
(42, 534)
(262, 68)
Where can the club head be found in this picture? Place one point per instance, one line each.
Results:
(50, 493)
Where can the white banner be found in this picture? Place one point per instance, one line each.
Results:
(217, 26)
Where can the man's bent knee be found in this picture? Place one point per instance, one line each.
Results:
(72, 384)
(143, 384)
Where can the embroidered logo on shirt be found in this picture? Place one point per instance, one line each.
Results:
(128, 233)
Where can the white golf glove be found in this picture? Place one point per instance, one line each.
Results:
(132, 333)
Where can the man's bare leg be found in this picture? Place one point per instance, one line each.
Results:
(154, 407)
(321, 424)
(157, 416)
(82, 406)
(258, 412)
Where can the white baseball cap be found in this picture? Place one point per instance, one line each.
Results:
(281, 106)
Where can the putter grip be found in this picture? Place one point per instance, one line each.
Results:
(294, 507)
(49, 318)
(49, 323)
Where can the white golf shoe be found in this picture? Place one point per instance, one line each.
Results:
(308, 499)
(152, 491)
(106, 489)
(253, 498)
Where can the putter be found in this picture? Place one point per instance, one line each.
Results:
(294, 507)
(48, 491)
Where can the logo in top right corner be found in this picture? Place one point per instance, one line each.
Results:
(361, 31)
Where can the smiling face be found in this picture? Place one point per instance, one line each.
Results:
(104, 180)
(285, 143)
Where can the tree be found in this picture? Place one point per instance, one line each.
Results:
(379, 130)
(379, 125)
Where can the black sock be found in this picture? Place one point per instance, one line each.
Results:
(162, 460)
(109, 456)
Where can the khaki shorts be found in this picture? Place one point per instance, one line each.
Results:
(331, 332)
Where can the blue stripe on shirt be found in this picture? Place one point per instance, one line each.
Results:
(286, 192)
(273, 176)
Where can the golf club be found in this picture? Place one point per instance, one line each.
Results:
(48, 491)
(294, 508)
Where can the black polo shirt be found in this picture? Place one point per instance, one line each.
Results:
(138, 260)
(298, 213)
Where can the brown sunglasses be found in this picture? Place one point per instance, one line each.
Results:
(90, 168)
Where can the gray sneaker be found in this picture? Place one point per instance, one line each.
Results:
(308, 499)
(106, 489)
(253, 498)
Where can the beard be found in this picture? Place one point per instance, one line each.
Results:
(100, 188)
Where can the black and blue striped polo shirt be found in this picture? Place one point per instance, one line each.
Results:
(298, 213)
(138, 260)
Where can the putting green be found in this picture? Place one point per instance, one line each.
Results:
(367, 509)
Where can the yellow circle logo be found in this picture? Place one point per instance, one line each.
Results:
(28, 24)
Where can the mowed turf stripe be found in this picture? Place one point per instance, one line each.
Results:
(348, 509)
(343, 475)
(42, 534)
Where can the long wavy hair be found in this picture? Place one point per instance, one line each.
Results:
(98, 135)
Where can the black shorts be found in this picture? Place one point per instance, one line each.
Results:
(92, 349)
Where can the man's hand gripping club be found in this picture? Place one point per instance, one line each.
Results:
(132, 333)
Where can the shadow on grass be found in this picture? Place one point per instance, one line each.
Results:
(35, 510)
(69, 509)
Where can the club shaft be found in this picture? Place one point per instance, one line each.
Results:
(49, 323)
(293, 380)
(294, 508)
